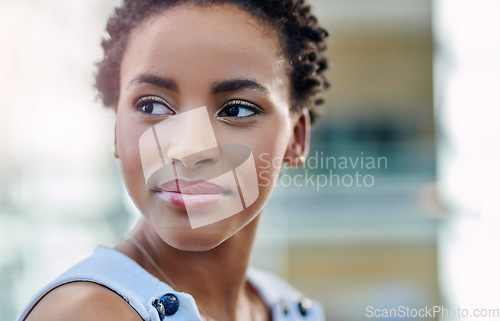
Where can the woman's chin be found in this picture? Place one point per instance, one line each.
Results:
(200, 239)
(175, 229)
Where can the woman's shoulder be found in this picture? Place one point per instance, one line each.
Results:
(82, 301)
(283, 297)
(98, 284)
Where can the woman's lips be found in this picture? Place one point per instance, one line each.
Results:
(191, 194)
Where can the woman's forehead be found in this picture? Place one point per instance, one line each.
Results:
(220, 41)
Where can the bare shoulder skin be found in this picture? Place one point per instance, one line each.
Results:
(82, 301)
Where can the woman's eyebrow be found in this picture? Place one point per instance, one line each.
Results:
(163, 82)
(238, 84)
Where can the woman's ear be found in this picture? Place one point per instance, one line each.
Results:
(115, 149)
(298, 145)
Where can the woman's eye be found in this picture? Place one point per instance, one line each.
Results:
(154, 109)
(153, 106)
(238, 109)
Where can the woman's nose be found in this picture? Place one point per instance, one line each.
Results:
(190, 159)
(189, 139)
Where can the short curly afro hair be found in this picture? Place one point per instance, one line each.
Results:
(303, 42)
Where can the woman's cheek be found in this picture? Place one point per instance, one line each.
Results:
(269, 156)
(127, 140)
(268, 161)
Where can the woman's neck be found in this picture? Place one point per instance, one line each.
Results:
(215, 278)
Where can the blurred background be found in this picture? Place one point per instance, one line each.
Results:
(415, 88)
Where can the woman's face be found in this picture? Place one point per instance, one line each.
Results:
(226, 61)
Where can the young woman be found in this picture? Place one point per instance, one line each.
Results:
(211, 98)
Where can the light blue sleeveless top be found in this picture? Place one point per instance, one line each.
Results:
(157, 301)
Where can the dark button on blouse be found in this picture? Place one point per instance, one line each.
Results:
(167, 305)
(304, 306)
